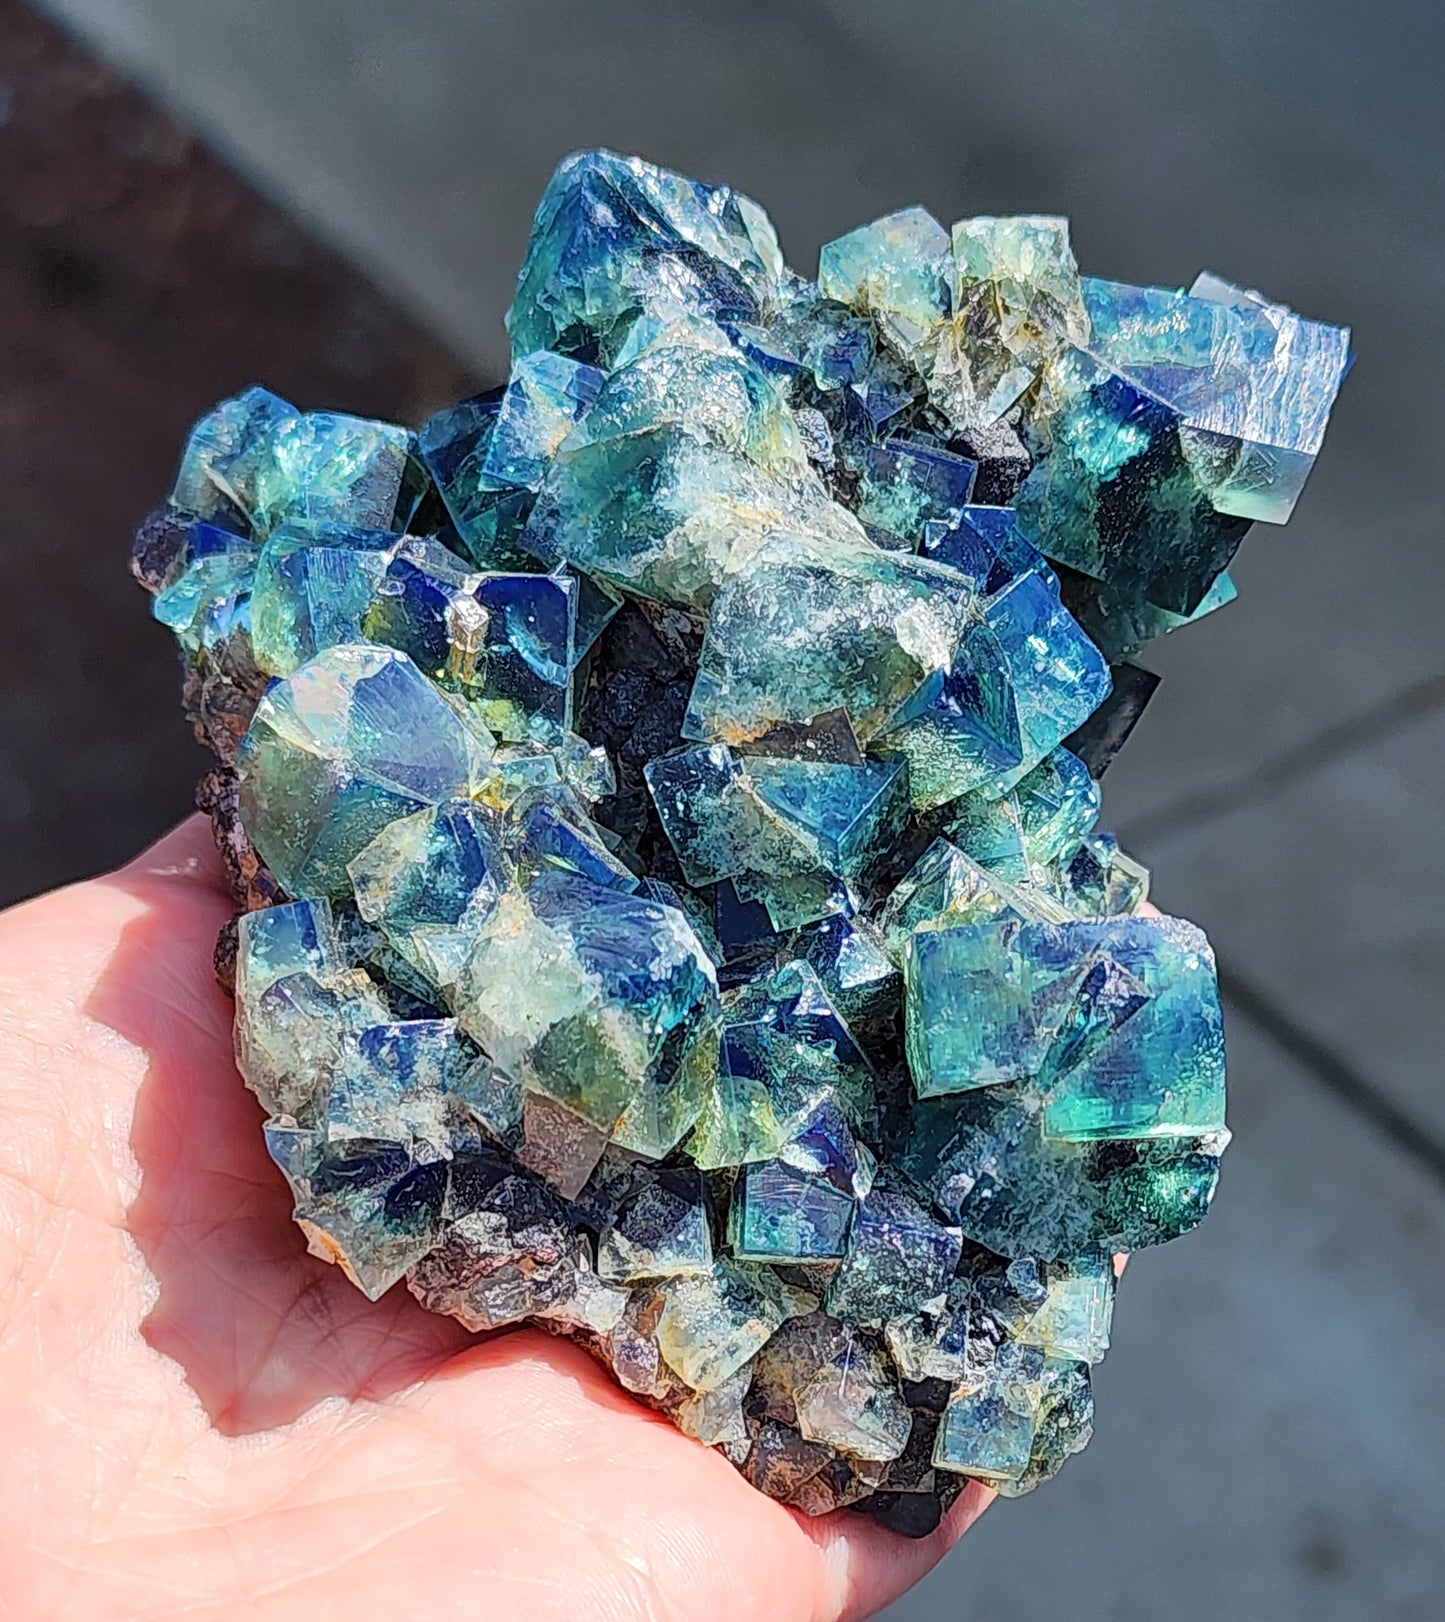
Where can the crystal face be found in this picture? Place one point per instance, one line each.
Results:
(661, 796)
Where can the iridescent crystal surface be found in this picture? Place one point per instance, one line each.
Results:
(661, 795)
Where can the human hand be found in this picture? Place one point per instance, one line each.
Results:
(198, 1417)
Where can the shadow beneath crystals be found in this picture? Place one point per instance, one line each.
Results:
(261, 1329)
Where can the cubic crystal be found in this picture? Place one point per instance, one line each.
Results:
(663, 797)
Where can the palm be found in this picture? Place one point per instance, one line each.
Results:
(199, 1416)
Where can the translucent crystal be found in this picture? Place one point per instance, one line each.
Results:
(898, 1256)
(988, 1432)
(780, 1214)
(1043, 819)
(548, 829)
(688, 457)
(932, 1343)
(207, 598)
(662, 794)
(429, 881)
(985, 1162)
(1115, 1023)
(1121, 625)
(558, 1144)
(806, 627)
(984, 545)
(1116, 497)
(1015, 301)
(587, 994)
(860, 978)
(298, 1002)
(671, 247)
(785, 1052)
(1063, 1424)
(660, 1231)
(976, 312)
(1023, 677)
(1073, 1320)
(908, 488)
(1252, 382)
(218, 471)
(946, 887)
(488, 518)
(312, 591)
(368, 1207)
(349, 743)
(1101, 880)
(761, 820)
(852, 1402)
(323, 468)
(506, 642)
(712, 1323)
(899, 269)
(490, 454)
(715, 819)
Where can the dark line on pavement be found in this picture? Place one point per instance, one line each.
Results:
(1336, 1076)
(1358, 731)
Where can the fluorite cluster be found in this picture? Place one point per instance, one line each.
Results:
(661, 797)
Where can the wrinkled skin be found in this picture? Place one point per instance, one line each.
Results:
(198, 1418)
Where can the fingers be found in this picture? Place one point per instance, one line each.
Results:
(868, 1567)
(187, 852)
(126, 956)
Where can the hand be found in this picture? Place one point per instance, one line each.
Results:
(199, 1418)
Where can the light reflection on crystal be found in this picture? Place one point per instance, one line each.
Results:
(675, 773)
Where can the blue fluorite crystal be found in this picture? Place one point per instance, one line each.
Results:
(217, 477)
(665, 792)
(660, 1230)
(781, 1214)
(429, 881)
(1252, 382)
(987, 1431)
(785, 1054)
(1113, 1023)
(1022, 679)
(1183, 417)
(806, 626)
(784, 830)
(312, 590)
(615, 238)
(207, 594)
(490, 454)
(620, 990)
(898, 1257)
(487, 517)
(325, 468)
(353, 741)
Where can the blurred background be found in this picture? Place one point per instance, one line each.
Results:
(333, 197)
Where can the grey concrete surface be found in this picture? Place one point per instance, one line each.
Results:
(1325, 894)
(1286, 145)
(1270, 1424)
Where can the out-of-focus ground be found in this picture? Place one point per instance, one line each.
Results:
(139, 282)
(1271, 1440)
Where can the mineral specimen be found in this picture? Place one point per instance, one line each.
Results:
(661, 797)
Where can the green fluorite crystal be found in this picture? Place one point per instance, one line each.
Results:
(805, 626)
(217, 477)
(615, 238)
(349, 743)
(322, 468)
(1114, 1024)
(663, 793)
